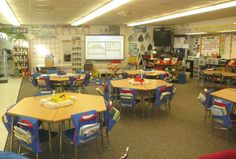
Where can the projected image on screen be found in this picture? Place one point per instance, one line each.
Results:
(104, 47)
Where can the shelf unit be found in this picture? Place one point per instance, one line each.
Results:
(77, 53)
(173, 69)
(196, 68)
(5, 63)
(21, 59)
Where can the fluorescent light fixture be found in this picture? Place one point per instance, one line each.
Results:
(100, 11)
(197, 33)
(8, 14)
(226, 31)
(188, 13)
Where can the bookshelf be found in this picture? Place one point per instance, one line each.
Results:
(21, 57)
(77, 53)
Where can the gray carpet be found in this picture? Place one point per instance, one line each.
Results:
(179, 135)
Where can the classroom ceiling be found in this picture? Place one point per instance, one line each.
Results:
(62, 12)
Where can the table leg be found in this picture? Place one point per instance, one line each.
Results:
(61, 135)
(142, 102)
(50, 139)
(101, 130)
(12, 134)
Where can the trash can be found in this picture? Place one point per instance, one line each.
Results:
(182, 78)
(187, 76)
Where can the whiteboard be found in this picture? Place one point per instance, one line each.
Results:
(104, 47)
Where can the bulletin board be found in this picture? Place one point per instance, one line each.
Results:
(233, 49)
(210, 45)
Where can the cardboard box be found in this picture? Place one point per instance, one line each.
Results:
(49, 61)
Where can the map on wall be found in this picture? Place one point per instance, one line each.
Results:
(210, 45)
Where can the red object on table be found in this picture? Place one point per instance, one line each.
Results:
(226, 154)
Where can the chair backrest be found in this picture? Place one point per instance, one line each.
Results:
(223, 103)
(161, 96)
(27, 132)
(221, 116)
(127, 97)
(86, 126)
(216, 76)
(33, 79)
(52, 71)
(86, 80)
(44, 81)
(209, 98)
(172, 91)
(111, 115)
(11, 155)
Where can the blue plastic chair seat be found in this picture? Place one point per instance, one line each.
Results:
(11, 155)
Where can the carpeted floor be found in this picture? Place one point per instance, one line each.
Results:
(179, 135)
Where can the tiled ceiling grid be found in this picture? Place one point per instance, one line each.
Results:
(66, 11)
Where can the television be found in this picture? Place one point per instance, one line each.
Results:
(104, 47)
(162, 36)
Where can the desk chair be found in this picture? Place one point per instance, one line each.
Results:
(33, 79)
(51, 71)
(161, 97)
(221, 118)
(80, 85)
(111, 116)
(206, 100)
(172, 91)
(30, 136)
(87, 128)
(114, 67)
(217, 78)
(44, 84)
(128, 99)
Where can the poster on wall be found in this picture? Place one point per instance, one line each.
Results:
(210, 45)
(133, 49)
(67, 45)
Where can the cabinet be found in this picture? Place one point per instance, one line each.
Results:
(77, 53)
(21, 59)
(5, 63)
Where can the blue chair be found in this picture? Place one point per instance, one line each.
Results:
(111, 117)
(172, 91)
(11, 155)
(80, 85)
(52, 71)
(29, 135)
(220, 117)
(44, 84)
(206, 101)
(223, 103)
(161, 97)
(33, 79)
(128, 99)
(87, 128)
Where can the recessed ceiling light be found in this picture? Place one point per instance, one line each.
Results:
(227, 31)
(196, 33)
(188, 13)
(100, 11)
(8, 14)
